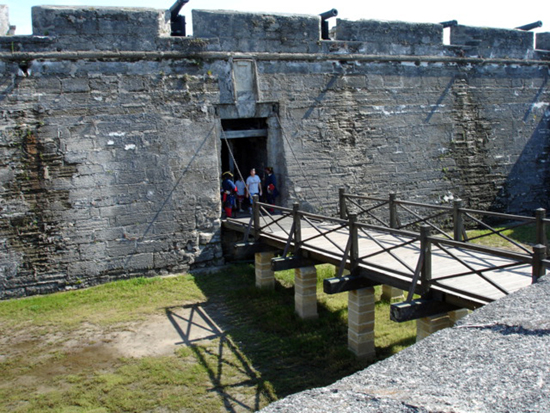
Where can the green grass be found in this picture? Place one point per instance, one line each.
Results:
(266, 352)
(524, 235)
(108, 304)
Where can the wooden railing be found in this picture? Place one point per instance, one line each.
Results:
(449, 222)
(397, 218)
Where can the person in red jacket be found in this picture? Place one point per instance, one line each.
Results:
(228, 193)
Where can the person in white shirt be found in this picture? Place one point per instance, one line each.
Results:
(253, 186)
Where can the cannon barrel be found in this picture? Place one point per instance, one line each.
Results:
(324, 23)
(176, 7)
(450, 23)
(177, 22)
(329, 14)
(530, 26)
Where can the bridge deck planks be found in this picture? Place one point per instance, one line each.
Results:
(471, 286)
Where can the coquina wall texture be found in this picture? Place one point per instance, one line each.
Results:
(111, 137)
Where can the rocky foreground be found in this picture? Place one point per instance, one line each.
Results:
(494, 360)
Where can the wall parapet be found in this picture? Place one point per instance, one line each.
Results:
(495, 42)
(104, 28)
(125, 29)
(253, 32)
(543, 41)
(381, 37)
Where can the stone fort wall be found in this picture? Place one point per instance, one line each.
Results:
(110, 138)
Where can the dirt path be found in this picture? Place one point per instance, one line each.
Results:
(162, 334)
(92, 346)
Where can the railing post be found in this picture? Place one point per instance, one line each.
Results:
(342, 203)
(256, 212)
(540, 215)
(393, 210)
(297, 227)
(458, 221)
(354, 246)
(426, 246)
(539, 269)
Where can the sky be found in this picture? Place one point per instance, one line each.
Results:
(482, 13)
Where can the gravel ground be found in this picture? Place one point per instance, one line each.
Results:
(494, 360)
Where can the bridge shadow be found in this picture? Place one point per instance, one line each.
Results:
(216, 352)
(253, 346)
(507, 330)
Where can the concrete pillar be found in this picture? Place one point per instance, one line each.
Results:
(456, 315)
(265, 277)
(305, 292)
(392, 294)
(361, 322)
(429, 325)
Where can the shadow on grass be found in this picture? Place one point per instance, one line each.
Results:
(388, 351)
(197, 326)
(259, 332)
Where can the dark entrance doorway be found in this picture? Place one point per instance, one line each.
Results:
(247, 139)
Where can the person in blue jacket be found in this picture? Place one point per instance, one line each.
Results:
(271, 186)
(228, 193)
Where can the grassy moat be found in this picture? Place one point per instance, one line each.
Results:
(205, 343)
(64, 352)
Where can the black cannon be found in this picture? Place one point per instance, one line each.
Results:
(530, 26)
(449, 23)
(324, 23)
(177, 22)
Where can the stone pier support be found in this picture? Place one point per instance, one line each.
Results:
(392, 294)
(361, 322)
(456, 315)
(305, 292)
(429, 325)
(265, 277)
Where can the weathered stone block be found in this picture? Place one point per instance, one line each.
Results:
(362, 337)
(380, 33)
(454, 316)
(305, 274)
(305, 292)
(489, 42)
(306, 307)
(392, 294)
(94, 21)
(265, 277)
(543, 41)
(139, 262)
(429, 325)
(359, 299)
(365, 349)
(361, 318)
(76, 85)
(257, 31)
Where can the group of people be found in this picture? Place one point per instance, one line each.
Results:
(239, 194)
